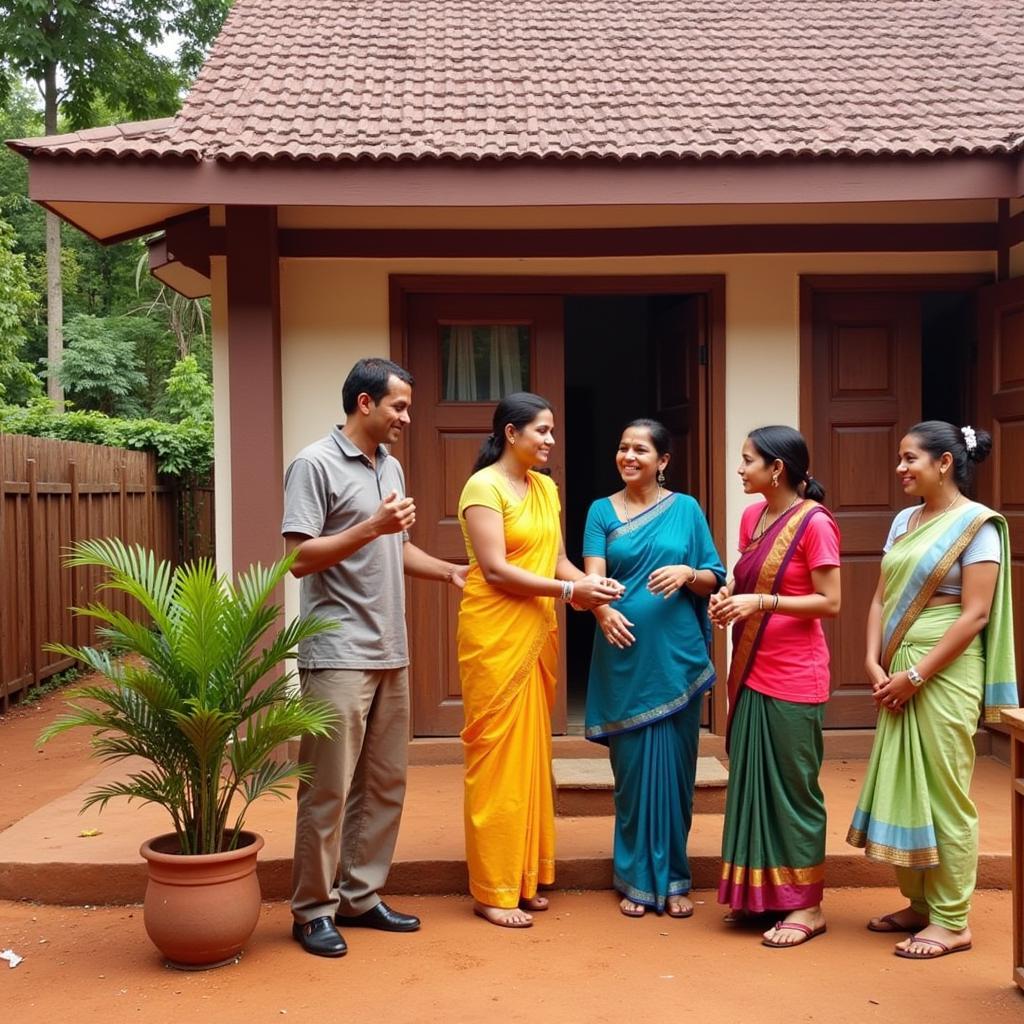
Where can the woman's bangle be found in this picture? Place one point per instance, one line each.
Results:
(692, 579)
(775, 607)
(760, 602)
(915, 677)
(567, 590)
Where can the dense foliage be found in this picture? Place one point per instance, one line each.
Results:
(183, 449)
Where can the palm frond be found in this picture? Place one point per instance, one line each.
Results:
(199, 707)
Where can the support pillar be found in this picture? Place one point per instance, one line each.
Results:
(254, 372)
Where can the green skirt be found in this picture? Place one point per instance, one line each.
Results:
(773, 843)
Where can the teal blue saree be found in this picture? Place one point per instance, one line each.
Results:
(643, 702)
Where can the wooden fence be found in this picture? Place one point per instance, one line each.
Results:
(53, 493)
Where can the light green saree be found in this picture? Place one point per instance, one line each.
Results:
(922, 761)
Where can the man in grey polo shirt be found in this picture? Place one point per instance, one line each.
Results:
(347, 514)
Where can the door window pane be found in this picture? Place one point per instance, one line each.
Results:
(484, 362)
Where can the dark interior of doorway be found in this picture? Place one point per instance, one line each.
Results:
(947, 356)
(610, 379)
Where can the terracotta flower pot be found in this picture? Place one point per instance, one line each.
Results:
(200, 910)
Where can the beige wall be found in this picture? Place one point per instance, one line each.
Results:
(334, 311)
(221, 413)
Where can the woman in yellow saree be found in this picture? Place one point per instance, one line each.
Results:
(508, 656)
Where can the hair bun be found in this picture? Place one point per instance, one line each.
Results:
(977, 442)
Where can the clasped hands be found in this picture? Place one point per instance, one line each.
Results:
(593, 591)
(889, 691)
(724, 608)
(663, 581)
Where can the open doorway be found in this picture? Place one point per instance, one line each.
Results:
(626, 356)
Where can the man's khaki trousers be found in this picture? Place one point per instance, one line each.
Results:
(349, 813)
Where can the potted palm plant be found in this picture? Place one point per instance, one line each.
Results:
(204, 700)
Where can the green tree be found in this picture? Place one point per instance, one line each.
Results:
(102, 368)
(84, 52)
(17, 302)
(188, 394)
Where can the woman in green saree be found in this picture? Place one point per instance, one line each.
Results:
(939, 649)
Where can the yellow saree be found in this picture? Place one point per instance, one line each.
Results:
(508, 657)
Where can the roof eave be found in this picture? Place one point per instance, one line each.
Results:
(106, 180)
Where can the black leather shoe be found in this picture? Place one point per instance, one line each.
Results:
(319, 937)
(381, 917)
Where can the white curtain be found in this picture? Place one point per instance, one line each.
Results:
(506, 372)
(477, 354)
(461, 383)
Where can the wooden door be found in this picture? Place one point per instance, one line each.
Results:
(679, 341)
(464, 351)
(867, 392)
(1000, 409)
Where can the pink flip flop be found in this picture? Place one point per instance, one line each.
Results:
(809, 933)
(943, 949)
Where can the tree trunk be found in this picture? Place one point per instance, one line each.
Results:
(54, 284)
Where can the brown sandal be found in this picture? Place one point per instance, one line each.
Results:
(941, 947)
(675, 910)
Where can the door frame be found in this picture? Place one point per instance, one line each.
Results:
(712, 286)
(911, 283)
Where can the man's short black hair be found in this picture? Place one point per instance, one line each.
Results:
(373, 377)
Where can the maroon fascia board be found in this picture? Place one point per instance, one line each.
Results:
(525, 182)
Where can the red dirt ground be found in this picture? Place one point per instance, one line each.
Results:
(581, 962)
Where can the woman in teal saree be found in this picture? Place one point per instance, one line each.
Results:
(650, 667)
(939, 650)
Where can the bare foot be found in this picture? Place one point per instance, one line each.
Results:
(803, 925)
(631, 909)
(905, 920)
(934, 941)
(679, 906)
(503, 917)
(535, 903)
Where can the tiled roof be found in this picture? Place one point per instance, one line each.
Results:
(471, 79)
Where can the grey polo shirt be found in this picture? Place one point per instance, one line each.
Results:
(329, 487)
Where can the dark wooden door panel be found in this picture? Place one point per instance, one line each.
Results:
(1000, 404)
(867, 391)
(448, 429)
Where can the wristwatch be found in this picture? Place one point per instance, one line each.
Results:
(915, 677)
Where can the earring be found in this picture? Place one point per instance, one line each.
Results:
(512, 441)
(661, 478)
(775, 479)
(942, 478)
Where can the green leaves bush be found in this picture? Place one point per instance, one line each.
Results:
(182, 449)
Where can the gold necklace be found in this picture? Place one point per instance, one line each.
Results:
(625, 504)
(524, 483)
(762, 522)
(920, 512)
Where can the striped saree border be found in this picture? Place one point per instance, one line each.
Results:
(930, 584)
(696, 689)
(642, 519)
(768, 576)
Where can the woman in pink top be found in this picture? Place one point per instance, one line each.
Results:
(785, 582)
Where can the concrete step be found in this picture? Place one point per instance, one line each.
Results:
(58, 855)
(584, 787)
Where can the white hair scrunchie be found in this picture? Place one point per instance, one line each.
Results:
(970, 438)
